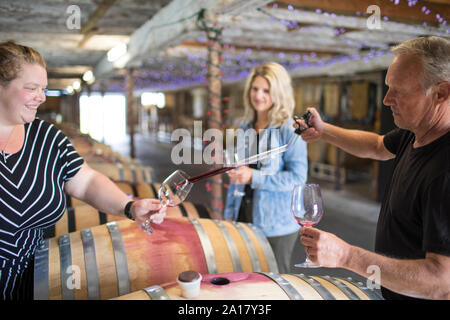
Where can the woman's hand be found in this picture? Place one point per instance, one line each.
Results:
(242, 175)
(146, 211)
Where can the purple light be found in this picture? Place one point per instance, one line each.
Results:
(290, 7)
(318, 11)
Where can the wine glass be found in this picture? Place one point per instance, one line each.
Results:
(307, 208)
(232, 159)
(174, 189)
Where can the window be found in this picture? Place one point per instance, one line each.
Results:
(104, 118)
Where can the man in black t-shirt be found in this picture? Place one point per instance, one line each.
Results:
(412, 246)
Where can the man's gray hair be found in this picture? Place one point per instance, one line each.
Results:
(435, 55)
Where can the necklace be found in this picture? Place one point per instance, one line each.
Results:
(6, 145)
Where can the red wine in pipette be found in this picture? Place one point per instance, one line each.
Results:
(210, 173)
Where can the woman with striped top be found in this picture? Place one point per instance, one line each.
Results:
(38, 165)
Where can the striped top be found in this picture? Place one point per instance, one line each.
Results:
(32, 191)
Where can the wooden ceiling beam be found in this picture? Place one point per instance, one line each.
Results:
(227, 46)
(400, 12)
(90, 27)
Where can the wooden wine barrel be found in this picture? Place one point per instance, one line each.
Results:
(123, 172)
(263, 286)
(118, 258)
(84, 216)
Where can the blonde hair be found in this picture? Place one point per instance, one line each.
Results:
(434, 52)
(12, 58)
(281, 92)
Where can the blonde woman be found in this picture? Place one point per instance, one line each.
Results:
(266, 187)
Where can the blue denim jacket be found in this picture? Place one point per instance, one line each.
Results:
(273, 182)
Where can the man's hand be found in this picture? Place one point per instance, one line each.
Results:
(324, 248)
(315, 124)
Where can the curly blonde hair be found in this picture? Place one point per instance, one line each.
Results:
(281, 92)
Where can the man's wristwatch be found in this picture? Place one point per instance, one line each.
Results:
(127, 210)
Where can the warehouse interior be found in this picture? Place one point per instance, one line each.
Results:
(124, 75)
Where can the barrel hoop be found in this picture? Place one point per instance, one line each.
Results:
(372, 294)
(202, 211)
(343, 287)
(133, 172)
(235, 258)
(65, 266)
(292, 293)
(120, 258)
(71, 222)
(41, 288)
(183, 210)
(144, 175)
(206, 245)
(155, 192)
(90, 262)
(324, 293)
(102, 217)
(121, 174)
(267, 249)
(68, 201)
(133, 187)
(156, 293)
(256, 267)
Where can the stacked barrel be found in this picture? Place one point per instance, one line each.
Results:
(95, 255)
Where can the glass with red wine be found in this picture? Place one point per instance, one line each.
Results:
(307, 209)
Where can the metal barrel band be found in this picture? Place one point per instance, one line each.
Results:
(120, 258)
(183, 210)
(65, 265)
(156, 293)
(344, 288)
(41, 263)
(155, 192)
(134, 173)
(121, 173)
(371, 293)
(267, 249)
(235, 258)
(292, 293)
(90, 262)
(321, 290)
(256, 267)
(206, 245)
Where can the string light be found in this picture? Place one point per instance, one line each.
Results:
(236, 66)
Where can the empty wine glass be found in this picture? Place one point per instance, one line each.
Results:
(174, 189)
(307, 208)
(231, 158)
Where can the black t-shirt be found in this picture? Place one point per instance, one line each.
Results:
(415, 212)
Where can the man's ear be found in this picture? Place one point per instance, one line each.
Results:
(443, 91)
